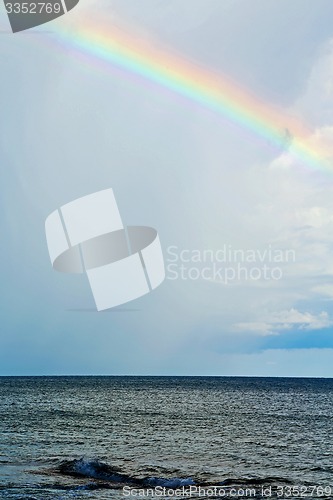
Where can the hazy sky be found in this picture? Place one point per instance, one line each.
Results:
(71, 126)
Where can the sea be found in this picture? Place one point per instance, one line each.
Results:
(165, 437)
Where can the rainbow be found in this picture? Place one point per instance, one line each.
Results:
(101, 42)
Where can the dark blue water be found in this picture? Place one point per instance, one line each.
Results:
(89, 437)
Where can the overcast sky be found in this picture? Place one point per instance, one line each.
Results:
(71, 126)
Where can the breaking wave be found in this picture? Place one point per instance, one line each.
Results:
(101, 471)
(96, 469)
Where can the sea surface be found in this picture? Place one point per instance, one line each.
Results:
(130, 437)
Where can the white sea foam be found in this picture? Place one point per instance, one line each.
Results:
(174, 482)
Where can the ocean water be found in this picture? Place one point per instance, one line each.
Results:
(98, 437)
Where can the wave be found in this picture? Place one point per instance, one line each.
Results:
(113, 477)
(93, 469)
(172, 483)
(96, 469)
(255, 481)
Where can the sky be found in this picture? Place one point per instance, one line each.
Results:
(71, 125)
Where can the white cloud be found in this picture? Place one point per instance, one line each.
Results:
(324, 290)
(287, 320)
(315, 105)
